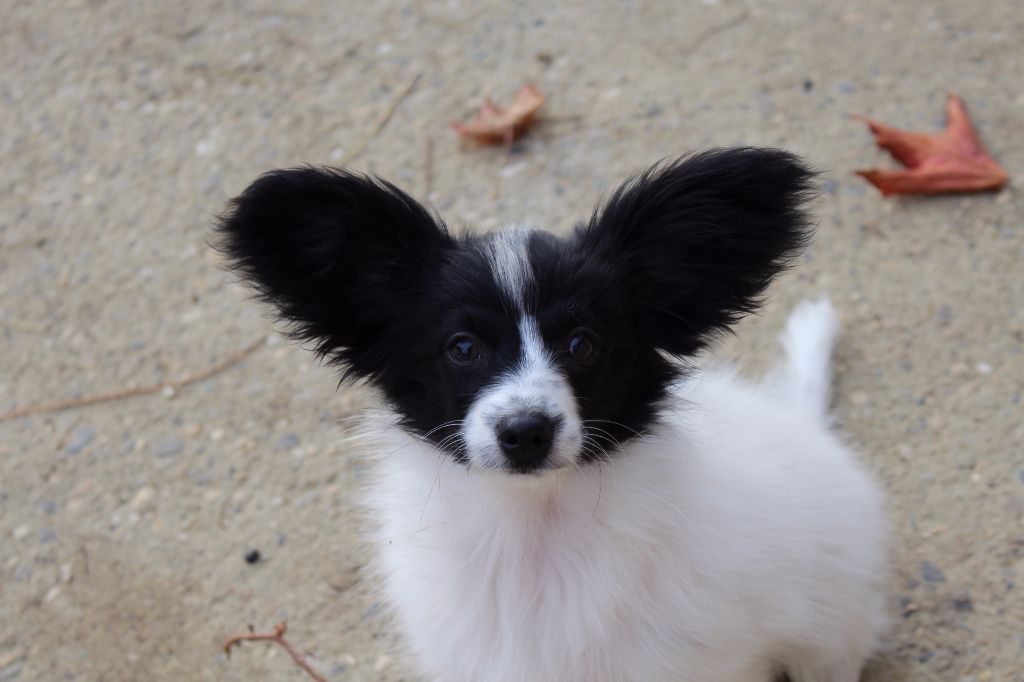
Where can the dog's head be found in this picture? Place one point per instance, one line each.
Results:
(521, 351)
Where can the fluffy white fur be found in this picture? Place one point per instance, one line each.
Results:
(740, 538)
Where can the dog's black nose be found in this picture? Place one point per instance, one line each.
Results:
(526, 439)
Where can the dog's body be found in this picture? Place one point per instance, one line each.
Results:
(739, 539)
(556, 499)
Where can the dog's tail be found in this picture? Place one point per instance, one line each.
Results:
(804, 377)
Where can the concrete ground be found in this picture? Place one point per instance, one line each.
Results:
(125, 126)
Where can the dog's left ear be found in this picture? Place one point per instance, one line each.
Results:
(694, 243)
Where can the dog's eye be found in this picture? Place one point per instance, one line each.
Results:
(581, 345)
(463, 348)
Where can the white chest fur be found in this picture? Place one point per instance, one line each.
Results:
(718, 549)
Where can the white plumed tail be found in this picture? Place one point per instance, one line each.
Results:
(804, 376)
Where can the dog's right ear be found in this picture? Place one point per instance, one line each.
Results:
(343, 257)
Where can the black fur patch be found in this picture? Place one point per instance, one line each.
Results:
(676, 255)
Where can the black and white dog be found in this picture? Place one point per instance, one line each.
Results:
(558, 496)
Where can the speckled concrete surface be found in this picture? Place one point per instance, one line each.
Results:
(125, 126)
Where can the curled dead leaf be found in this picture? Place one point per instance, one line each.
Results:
(951, 161)
(495, 125)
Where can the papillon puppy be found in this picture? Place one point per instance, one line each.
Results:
(559, 494)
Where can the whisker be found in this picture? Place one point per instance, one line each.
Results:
(454, 422)
(614, 423)
(601, 433)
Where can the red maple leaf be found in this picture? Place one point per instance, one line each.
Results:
(951, 161)
(494, 125)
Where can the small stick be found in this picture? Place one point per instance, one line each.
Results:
(276, 636)
(713, 31)
(381, 121)
(138, 390)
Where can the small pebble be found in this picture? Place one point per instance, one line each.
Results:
(964, 603)
(288, 441)
(808, 85)
(253, 556)
(80, 439)
(983, 368)
(168, 447)
(925, 656)
(21, 532)
(143, 498)
(932, 573)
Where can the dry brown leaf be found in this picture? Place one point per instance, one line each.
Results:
(494, 125)
(951, 161)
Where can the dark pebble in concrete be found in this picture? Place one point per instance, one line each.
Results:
(932, 573)
(964, 603)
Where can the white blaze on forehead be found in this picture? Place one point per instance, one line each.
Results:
(535, 362)
(508, 255)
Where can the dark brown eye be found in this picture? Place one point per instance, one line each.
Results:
(463, 348)
(581, 345)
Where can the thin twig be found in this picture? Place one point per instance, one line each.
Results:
(70, 403)
(276, 636)
(381, 121)
(713, 31)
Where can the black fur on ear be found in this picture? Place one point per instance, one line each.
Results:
(695, 242)
(343, 257)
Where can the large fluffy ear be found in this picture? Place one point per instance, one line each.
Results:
(341, 256)
(695, 242)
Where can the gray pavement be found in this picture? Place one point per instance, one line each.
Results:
(125, 126)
